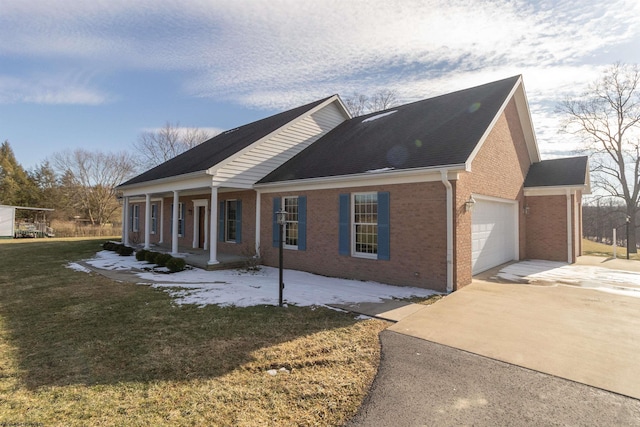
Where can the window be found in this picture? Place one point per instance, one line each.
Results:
(180, 219)
(231, 220)
(365, 224)
(291, 225)
(294, 234)
(135, 218)
(154, 218)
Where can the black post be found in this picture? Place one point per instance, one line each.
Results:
(628, 221)
(281, 282)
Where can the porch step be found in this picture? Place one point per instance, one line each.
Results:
(226, 265)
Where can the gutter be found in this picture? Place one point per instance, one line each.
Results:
(449, 188)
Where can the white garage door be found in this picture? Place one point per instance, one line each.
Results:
(493, 234)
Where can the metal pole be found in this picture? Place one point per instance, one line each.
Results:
(628, 221)
(281, 253)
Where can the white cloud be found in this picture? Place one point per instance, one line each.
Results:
(50, 89)
(280, 53)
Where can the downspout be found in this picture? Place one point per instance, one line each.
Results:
(258, 207)
(449, 189)
(569, 234)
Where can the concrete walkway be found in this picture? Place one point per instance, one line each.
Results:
(584, 335)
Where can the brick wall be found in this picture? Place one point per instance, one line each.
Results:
(547, 228)
(498, 170)
(417, 228)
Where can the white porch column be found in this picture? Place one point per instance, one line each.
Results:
(258, 201)
(174, 230)
(213, 247)
(161, 221)
(125, 220)
(569, 229)
(147, 221)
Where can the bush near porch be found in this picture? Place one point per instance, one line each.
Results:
(79, 349)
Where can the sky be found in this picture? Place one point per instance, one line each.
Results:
(95, 74)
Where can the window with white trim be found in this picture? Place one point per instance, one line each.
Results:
(154, 218)
(365, 224)
(291, 226)
(231, 217)
(135, 218)
(180, 219)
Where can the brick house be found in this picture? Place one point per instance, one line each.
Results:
(425, 194)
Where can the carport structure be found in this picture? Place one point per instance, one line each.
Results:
(8, 229)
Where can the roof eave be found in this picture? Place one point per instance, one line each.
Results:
(406, 173)
(160, 181)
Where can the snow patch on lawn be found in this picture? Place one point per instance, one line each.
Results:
(243, 289)
(78, 267)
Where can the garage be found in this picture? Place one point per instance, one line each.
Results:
(494, 234)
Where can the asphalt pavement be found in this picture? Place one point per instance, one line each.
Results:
(421, 383)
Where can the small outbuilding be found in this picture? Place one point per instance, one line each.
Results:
(10, 229)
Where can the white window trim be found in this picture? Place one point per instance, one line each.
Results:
(151, 230)
(135, 218)
(181, 218)
(284, 229)
(353, 227)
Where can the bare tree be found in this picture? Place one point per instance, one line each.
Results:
(93, 177)
(156, 147)
(359, 104)
(607, 119)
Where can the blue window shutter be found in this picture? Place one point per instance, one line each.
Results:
(239, 221)
(302, 223)
(384, 236)
(276, 227)
(221, 222)
(171, 220)
(344, 225)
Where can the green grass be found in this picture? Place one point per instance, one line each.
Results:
(600, 249)
(79, 349)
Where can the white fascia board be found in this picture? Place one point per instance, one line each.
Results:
(212, 170)
(409, 176)
(524, 114)
(559, 190)
(28, 208)
(166, 185)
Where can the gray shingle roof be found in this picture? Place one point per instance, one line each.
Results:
(220, 147)
(434, 132)
(558, 172)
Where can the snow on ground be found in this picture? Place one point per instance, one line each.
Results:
(243, 289)
(585, 276)
(78, 267)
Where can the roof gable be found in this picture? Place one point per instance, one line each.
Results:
(221, 147)
(436, 132)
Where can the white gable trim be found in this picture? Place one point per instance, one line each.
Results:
(212, 170)
(525, 120)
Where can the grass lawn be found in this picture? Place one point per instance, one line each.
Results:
(78, 349)
(600, 249)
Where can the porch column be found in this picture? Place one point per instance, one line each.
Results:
(206, 229)
(258, 201)
(161, 220)
(196, 226)
(147, 220)
(125, 220)
(174, 223)
(213, 247)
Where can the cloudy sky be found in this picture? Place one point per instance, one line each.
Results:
(95, 74)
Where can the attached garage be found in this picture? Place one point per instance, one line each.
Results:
(494, 236)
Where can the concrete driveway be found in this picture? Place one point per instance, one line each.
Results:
(577, 333)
